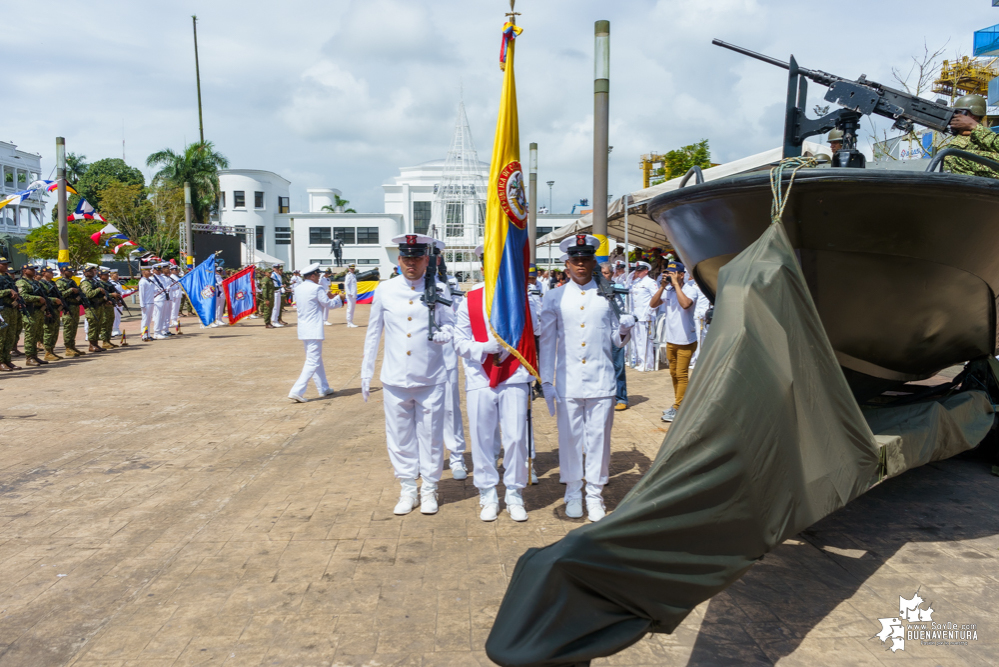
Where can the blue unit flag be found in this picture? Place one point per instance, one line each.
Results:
(200, 287)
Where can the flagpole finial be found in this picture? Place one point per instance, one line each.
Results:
(512, 14)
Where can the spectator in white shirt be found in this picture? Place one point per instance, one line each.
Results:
(680, 299)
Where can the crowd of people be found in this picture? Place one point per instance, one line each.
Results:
(584, 332)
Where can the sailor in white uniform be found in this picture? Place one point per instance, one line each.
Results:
(324, 284)
(161, 302)
(147, 295)
(499, 410)
(350, 288)
(578, 329)
(275, 277)
(642, 290)
(414, 373)
(116, 327)
(312, 302)
(454, 427)
(176, 296)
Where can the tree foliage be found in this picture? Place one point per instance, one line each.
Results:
(75, 167)
(338, 203)
(101, 174)
(43, 242)
(126, 207)
(678, 162)
(198, 165)
(168, 212)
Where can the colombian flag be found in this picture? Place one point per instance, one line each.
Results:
(506, 253)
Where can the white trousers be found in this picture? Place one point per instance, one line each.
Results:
(454, 429)
(276, 312)
(116, 327)
(414, 423)
(175, 309)
(161, 323)
(505, 409)
(645, 349)
(584, 429)
(219, 307)
(351, 303)
(147, 320)
(313, 369)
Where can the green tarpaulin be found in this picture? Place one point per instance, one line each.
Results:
(769, 441)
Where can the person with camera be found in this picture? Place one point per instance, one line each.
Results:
(679, 299)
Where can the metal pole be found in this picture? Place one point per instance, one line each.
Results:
(532, 197)
(627, 253)
(61, 199)
(188, 214)
(197, 74)
(550, 209)
(601, 107)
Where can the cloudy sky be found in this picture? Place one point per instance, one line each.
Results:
(341, 93)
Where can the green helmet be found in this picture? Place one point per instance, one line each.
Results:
(973, 103)
(835, 135)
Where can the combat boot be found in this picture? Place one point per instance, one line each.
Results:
(51, 355)
(72, 352)
(35, 361)
(106, 345)
(107, 342)
(16, 353)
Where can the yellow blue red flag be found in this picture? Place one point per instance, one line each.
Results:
(506, 255)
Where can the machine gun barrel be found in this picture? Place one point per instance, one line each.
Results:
(823, 78)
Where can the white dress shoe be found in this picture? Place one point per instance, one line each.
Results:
(458, 470)
(278, 325)
(595, 509)
(574, 509)
(517, 512)
(428, 501)
(298, 399)
(159, 337)
(405, 505)
(489, 512)
(327, 324)
(329, 392)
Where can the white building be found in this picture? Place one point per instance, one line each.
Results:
(253, 199)
(17, 220)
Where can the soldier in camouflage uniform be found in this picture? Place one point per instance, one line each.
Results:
(265, 300)
(38, 313)
(972, 137)
(97, 297)
(107, 316)
(73, 296)
(50, 330)
(10, 313)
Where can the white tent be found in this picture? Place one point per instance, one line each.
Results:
(642, 230)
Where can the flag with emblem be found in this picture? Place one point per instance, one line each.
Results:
(506, 255)
(199, 285)
(240, 294)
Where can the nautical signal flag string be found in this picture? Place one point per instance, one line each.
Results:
(33, 187)
(506, 253)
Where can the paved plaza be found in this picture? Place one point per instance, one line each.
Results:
(165, 504)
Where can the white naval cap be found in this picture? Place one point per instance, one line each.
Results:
(416, 245)
(311, 268)
(480, 250)
(564, 258)
(580, 244)
(643, 265)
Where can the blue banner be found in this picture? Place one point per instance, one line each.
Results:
(200, 287)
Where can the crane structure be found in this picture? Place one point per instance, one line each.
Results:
(649, 164)
(967, 76)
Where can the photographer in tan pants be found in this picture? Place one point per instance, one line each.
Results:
(678, 297)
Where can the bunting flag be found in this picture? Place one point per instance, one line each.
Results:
(510, 32)
(86, 211)
(240, 294)
(507, 255)
(199, 285)
(126, 244)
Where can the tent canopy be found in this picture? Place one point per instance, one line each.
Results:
(645, 232)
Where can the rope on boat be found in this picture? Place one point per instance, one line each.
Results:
(780, 198)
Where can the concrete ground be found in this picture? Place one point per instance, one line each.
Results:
(165, 504)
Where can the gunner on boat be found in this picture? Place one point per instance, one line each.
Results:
(973, 137)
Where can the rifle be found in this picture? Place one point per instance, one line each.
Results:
(859, 97)
(430, 295)
(610, 291)
(45, 299)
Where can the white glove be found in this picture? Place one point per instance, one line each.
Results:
(443, 336)
(550, 397)
(492, 346)
(365, 388)
(627, 322)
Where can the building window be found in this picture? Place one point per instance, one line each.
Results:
(543, 230)
(421, 216)
(238, 199)
(321, 262)
(320, 236)
(345, 234)
(454, 222)
(348, 262)
(258, 200)
(367, 236)
(367, 262)
(223, 199)
(260, 238)
(283, 205)
(282, 235)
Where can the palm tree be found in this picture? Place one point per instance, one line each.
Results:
(75, 167)
(338, 206)
(199, 165)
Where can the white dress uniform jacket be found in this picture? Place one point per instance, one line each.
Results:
(147, 291)
(642, 291)
(313, 303)
(161, 304)
(176, 296)
(350, 287)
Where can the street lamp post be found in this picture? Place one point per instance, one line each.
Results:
(550, 184)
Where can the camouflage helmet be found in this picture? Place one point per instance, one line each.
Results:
(973, 103)
(835, 134)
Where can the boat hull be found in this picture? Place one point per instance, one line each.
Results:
(903, 266)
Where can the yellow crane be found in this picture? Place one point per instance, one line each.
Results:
(649, 165)
(967, 76)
